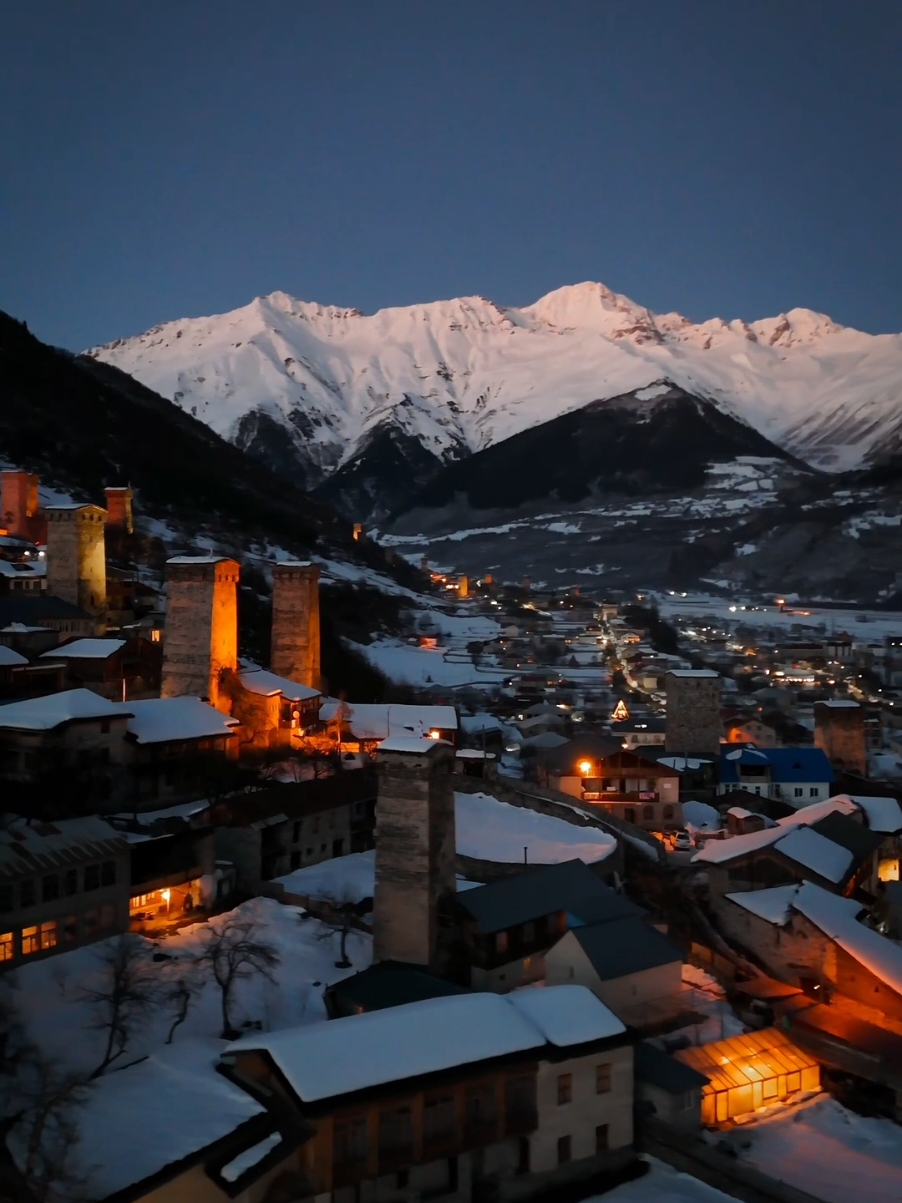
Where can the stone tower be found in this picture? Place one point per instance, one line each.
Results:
(693, 712)
(119, 507)
(839, 732)
(295, 651)
(76, 556)
(18, 502)
(201, 637)
(415, 850)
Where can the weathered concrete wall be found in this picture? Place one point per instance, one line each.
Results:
(201, 628)
(693, 714)
(415, 840)
(295, 650)
(76, 556)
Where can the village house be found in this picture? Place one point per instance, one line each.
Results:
(640, 732)
(271, 709)
(508, 926)
(117, 669)
(361, 727)
(23, 576)
(637, 789)
(273, 831)
(42, 610)
(62, 884)
(668, 1089)
(628, 964)
(453, 1097)
(796, 776)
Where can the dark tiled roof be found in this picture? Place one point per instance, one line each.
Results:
(31, 610)
(625, 946)
(297, 799)
(859, 840)
(388, 984)
(660, 1069)
(570, 887)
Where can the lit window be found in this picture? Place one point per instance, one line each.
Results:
(30, 941)
(49, 934)
(7, 946)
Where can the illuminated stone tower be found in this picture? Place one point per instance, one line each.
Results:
(76, 557)
(18, 502)
(295, 651)
(415, 849)
(119, 507)
(201, 637)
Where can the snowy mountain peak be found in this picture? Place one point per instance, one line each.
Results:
(314, 387)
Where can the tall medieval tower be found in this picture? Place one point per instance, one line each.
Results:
(119, 507)
(693, 723)
(201, 626)
(76, 555)
(415, 850)
(295, 651)
(18, 502)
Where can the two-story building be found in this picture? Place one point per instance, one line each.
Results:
(796, 776)
(62, 884)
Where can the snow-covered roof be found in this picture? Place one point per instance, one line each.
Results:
(139, 1120)
(815, 852)
(207, 559)
(410, 743)
(377, 720)
(85, 649)
(31, 846)
(161, 720)
(773, 904)
(10, 658)
(488, 829)
(708, 673)
(341, 1056)
(20, 569)
(881, 814)
(261, 681)
(43, 714)
(717, 852)
(477, 723)
(239, 1165)
(841, 704)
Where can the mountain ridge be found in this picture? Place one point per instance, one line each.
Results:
(459, 375)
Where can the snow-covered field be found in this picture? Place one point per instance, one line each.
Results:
(826, 1150)
(491, 830)
(874, 626)
(663, 1184)
(405, 664)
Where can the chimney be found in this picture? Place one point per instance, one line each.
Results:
(119, 507)
(76, 557)
(201, 626)
(295, 650)
(415, 850)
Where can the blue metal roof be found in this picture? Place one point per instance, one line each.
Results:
(787, 765)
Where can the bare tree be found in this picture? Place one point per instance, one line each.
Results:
(337, 918)
(234, 951)
(179, 989)
(124, 996)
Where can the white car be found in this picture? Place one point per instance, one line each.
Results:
(682, 842)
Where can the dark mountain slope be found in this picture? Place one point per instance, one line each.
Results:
(83, 424)
(623, 445)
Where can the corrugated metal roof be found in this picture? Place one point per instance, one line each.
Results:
(752, 1057)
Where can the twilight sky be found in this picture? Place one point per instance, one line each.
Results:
(719, 157)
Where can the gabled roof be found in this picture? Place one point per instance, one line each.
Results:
(390, 984)
(377, 720)
(342, 1056)
(85, 649)
(660, 1069)
(29, 846)
(10, 658)
(571, 887)
(623, 947)
(786, 765)
(165, 720)
(881, 814)
(260, 681)
(34, 608)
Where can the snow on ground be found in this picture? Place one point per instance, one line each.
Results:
(342, 879)
(491, 830)
(49, 998)
(663, 1184)
(421, 666)
(821, 1147)
(873, 626)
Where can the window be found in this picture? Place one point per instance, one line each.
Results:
(629, 814)
(31, 941)
(322, 847)
(27, 896)
(797, 791)
(564, 1089)
(602, 1078)
(563, 1150)
(92, 877)
(51, 888)
(349, 1143)
(7, 946)
(601, 1138)
(6, 899)
(813, 791)
(648, 813)
(501, 941)
(439, 1120)
(481, 1111)
(108, 873)
(294, 861)
(70, 929)
(49, 934)
(309, 851)
(70, 882)
(396, 1133)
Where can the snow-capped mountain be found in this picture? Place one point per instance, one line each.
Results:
(313, 388)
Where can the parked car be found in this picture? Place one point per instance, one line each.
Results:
(682, 842)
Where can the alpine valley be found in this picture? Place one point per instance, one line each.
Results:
(579, 437)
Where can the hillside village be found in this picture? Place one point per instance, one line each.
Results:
(596, 877)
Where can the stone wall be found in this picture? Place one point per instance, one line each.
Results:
(295, 651)
(76, 556)
(693, 714)
(201, 641)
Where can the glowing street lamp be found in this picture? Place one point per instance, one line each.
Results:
(585, 767)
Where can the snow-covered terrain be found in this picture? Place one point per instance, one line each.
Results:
(460, 375)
